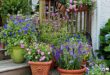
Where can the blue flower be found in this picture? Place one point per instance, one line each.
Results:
(19, 31)
(25, 32)
(25, 28)
(20, 21)
(4, 34)
(5, 26)
(15, 22)
(10, 33)
(27, 25)
(11, 17)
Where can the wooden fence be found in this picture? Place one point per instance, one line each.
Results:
(78, 21)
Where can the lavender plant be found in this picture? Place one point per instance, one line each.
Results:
(18, 31)
(73, 52)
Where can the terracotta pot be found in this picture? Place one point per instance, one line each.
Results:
(1, 46)
(72, 72)
(40, 68)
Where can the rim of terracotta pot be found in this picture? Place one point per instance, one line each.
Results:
(72, 71)
(40, 63)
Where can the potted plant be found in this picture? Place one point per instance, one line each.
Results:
(17, 34)
(40, 58)
(71, 54)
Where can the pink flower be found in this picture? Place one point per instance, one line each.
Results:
(74, 6)
(67, 10)
(71, 1)
(42, 53)
(70, 7)
(75, 9)
(22, 45)
(38, 51)
(53, 14)
(42, 58)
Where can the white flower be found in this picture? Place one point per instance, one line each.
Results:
(49, 53)
(107, 69)
(21, 42)
(27, 49)
(36, 57)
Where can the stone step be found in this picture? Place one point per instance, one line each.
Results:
(7, 67)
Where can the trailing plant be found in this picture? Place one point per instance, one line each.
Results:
(18, 31)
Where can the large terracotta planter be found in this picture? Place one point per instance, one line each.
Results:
(17, 54)
(40, 68)
(72, 72)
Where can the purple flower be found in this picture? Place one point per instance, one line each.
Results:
(62, 47)
(71, 52)
(5, 26)
(11, 17)
(27, 25)
(22, 45)
(79, 48)
(25, 28)
(67, 47)
(57, 55)
(21, 20)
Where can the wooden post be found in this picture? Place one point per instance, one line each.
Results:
(42, 10)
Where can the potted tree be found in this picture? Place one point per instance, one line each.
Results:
(17, 34)
(39, 58)
(69, 57)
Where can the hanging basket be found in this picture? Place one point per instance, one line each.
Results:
(40, 68)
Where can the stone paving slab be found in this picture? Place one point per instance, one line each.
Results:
(9, 66)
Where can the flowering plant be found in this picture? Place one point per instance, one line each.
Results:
(19, 31)
(72, 53)
(75, 4)
(38, 52)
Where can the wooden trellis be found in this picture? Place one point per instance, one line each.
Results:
(80, 21)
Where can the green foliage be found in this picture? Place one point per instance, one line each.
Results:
(38, 52)
(19, 30)
(104, 49)
(15, 6)
(49, 34)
